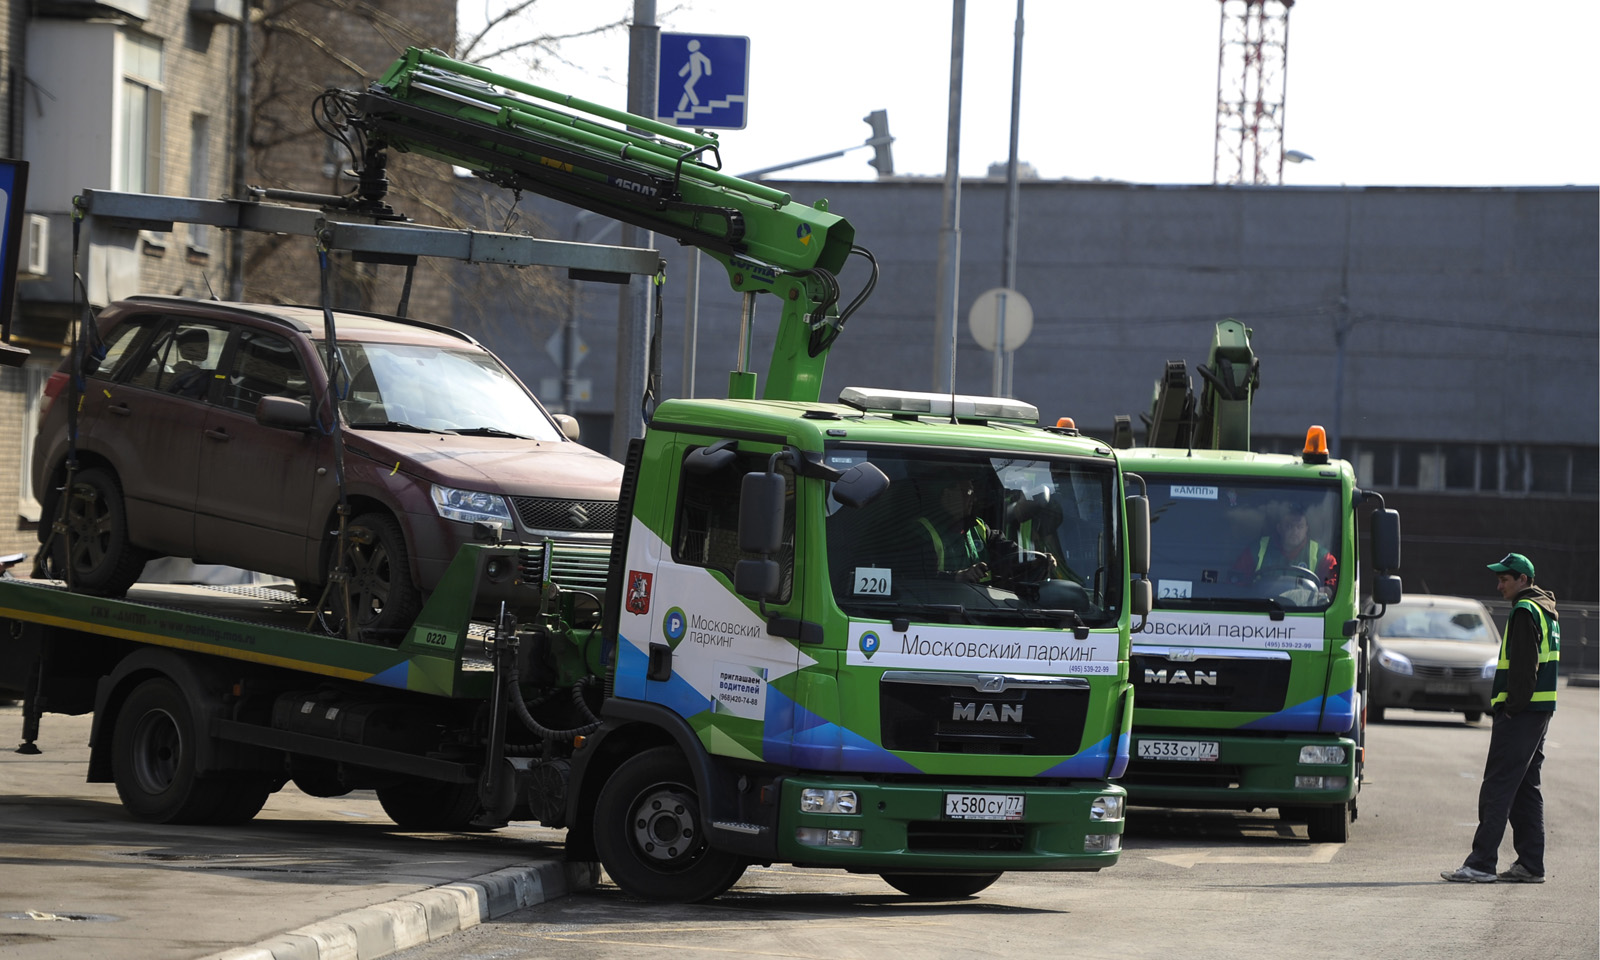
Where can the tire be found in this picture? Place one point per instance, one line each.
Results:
(103, 561)
(1328, 824)
(382, 594)
(1473, 716)
(939, 886)
(243, 797)
(430, 805)
(153, 758)
(650, 834)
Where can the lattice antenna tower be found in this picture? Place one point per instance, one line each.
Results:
(1252, 83)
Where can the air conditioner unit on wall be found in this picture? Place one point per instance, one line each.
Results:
(35, 259)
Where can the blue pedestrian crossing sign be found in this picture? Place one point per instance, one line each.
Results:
(702, 80)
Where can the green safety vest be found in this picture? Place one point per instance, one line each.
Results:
(1544, 688)
(1314, 554)
(970, 544)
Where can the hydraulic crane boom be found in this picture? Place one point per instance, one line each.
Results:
(1219, 418)
(525, 137)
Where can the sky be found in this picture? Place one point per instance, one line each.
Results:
(1379, 92)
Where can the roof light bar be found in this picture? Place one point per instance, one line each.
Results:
(963, 407)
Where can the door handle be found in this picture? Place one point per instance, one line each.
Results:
(217, 433)
(120, 409)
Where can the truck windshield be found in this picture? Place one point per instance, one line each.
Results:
(446, 390)
(968, 538)
(1221, 543)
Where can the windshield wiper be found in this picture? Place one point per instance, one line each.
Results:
(394, 425)
(899, 607)
(489, 432)
(1268, 604)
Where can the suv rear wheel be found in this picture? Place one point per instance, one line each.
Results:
(95, 545)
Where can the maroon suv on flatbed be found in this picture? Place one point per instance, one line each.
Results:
(206, 431)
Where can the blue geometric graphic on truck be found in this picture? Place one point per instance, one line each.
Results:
(396, 676)
(797, 737)
(1336, 714)
(1091, 761)
(675, 693)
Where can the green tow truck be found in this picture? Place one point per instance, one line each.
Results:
(754, 671)
(1251, 672)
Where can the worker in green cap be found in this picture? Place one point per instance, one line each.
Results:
(1523, 699)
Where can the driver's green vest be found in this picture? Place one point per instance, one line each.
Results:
(1544, 688)
(1313, 554)
(968, 545)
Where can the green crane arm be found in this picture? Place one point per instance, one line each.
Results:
(1219, 418)
(664, 179)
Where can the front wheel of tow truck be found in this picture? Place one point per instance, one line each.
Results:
(939, 886)
(153, 760)
(1328, 824)
(650, 833)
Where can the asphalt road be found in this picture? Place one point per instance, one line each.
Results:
(1189, 884)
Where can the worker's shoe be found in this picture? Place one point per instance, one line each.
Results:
(1520, 874)
(1465, 874)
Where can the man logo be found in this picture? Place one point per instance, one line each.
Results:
(1199, 678)
(986, 712)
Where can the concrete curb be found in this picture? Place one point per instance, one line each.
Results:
(423, 916)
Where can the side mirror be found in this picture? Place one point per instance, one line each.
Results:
(1141, 597)
(860, 485)
(761, 513)
(1139, 534)
(1386, 590)
(1385, 527)
(703, 461)
(756, 579)
(285, 413)
(568, 425)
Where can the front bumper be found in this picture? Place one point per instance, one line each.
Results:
(902, 828)
(1429, 693)
(1249, 772)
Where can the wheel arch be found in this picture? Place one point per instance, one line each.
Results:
(201, 686)
(630, 728)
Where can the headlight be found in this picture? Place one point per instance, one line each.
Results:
(1489, 669)
(1106, 808)
(828, 801)
(1322, 754)
(1394, 662)
(470, 505)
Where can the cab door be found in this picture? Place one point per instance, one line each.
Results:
(263, 490)
(728, 667)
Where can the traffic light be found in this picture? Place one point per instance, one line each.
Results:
(879, 141)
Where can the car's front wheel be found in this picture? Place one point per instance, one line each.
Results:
(383, 597)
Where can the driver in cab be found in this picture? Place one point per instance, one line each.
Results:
(1289, 548)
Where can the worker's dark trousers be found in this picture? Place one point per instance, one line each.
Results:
(1510, 792)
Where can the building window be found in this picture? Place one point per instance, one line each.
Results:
(141, 114)
(199, 177)
(33, 380)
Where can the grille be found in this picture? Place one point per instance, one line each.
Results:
(965, 835)
(1447, 673)
(1171, 773)
(924, 718)
(590, 516)
(573, 566)
(1258, 686)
